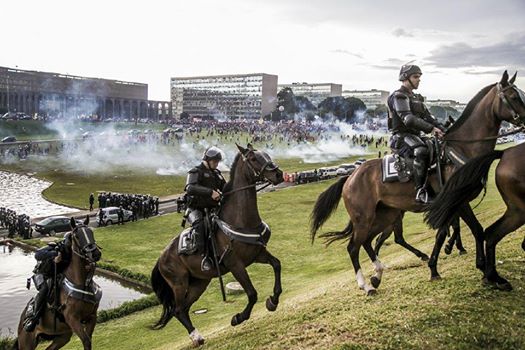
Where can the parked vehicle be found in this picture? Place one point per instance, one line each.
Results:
(327, 173)
(111, 215)
(54, 224)
(346, 169)
(306, 176)
(9, 139)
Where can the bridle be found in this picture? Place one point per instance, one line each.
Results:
(517, 119)
(258, 174)
(85, 250)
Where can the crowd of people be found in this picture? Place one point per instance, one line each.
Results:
(16, 224)
(141, 205)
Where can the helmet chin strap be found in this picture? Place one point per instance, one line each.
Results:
(410, 82)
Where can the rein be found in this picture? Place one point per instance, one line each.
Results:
(245, 188)
(488, 138)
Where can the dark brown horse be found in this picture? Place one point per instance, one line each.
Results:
(399, 239)
(178, 280)
(468, 182)
(75, 315)
(373, 205)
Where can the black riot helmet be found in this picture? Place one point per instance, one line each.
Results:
(407, 70)
(212, 153)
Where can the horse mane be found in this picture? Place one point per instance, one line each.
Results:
(470, 108)
(229, 185)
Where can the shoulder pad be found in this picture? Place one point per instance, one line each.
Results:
(399, 94)
(193, 170)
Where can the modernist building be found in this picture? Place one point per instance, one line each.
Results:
(233, 96)
(371, 98)
(56, 94)
(447, 103)
(316, 93)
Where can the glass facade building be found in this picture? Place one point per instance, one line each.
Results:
(371, 98)
(249, 96)
(316, 93)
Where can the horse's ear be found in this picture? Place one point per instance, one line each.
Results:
(250, 147)
(513, 79)
(86, 222)
(451, 120)
(73, 223)
(241, 149)
(504, 78)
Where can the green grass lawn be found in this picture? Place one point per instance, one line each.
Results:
(322, 307)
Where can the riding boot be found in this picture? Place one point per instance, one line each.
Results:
(33, 315)
(420, 176)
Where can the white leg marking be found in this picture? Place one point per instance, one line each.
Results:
(378, 267)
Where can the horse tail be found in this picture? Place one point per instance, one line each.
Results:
(165, 296)
(331, 237)
(465, 183)
(326, 204)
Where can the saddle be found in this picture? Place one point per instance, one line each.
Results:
(259, 235)
(398, 168)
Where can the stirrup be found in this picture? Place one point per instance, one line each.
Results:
(422, 196)
(205, 264)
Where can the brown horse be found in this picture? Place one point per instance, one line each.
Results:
(77, 311)
(178, 280)
(468, 182)
(373, 205)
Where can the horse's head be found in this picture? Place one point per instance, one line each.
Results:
(260, 165)
(509, 104)
(83, 241)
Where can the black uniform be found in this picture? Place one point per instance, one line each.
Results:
(43, 274)
(200, 184)
(408, 117)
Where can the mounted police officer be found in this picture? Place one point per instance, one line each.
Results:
(408, 120)
(203, 187)
(47, 257)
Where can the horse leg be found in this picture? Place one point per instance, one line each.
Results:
(375, 280)
(60, 341)
(381, 239)
(457, 232)
(195, 289)
(180, 284)
(399, 239)
(475, 227)
(267, 258)
(441, 235)
(238, 271)
(80, 330)
(509, 222)
(353, 248)
(26, 340)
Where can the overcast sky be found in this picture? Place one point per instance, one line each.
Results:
(460, 45)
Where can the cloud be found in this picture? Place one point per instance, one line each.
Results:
(399, 32)
(509, 53)
(346, 52)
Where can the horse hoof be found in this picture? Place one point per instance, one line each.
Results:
(198, 342)
(505, 287)
(371, 293)
(435, 278)
(462, 252)
(375, 281)
(236, 320)
(270, 306)
(424, 257)
(448, 250)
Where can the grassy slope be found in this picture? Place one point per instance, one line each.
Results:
(322, 307)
